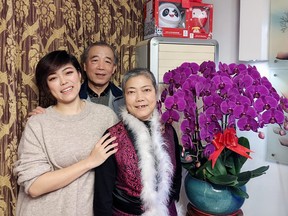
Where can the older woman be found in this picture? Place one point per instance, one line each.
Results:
(58, 149)
(144, 176)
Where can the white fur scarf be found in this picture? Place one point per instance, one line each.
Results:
(154, 163)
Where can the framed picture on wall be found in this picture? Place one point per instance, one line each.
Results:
(278, 44)
(277, 146)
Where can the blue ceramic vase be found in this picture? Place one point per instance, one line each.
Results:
(211, 199)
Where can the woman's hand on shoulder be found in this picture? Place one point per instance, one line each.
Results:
(37, 110)
(102, 150)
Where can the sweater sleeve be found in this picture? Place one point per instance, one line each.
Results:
(105, 177)
(32, 160)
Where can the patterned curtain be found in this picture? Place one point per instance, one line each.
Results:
(30, 29)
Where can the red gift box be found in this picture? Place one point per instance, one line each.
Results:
(178, 18)
(166, 18)
(200, 23)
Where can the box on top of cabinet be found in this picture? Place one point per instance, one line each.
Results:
(200, 20)
(166, 18)
(178, 18)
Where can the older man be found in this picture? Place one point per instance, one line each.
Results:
(99, 61)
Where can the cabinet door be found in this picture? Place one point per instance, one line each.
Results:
(173, 55)
(161, 54)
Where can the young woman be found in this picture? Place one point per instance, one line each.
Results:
(58, 149)
(144, 176)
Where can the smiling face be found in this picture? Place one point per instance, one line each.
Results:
(140, 97)
(99, 66)
(64, 84)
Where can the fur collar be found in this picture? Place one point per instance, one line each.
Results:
(154, 163)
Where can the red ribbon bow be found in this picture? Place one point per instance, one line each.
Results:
(229, 140)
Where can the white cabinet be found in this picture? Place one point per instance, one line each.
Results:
(161, 54)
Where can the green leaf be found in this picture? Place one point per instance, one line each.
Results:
(219, 168)
(259, 171)
(230, 165)
(234, 161)
(239, 192)
(238, 163)
(201, 173)
(244, 142)
(228, 180)
(244, 177)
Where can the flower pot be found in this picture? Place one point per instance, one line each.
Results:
(210, 198)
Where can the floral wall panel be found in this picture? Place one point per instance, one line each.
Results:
(29, 30)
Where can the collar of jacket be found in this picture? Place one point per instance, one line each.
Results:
(154, 162)
(116, 92)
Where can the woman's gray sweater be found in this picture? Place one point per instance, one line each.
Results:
(53, 141)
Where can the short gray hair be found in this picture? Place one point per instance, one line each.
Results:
(84, 55)
(137, 72)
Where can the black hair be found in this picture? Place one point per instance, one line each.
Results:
(50, 63)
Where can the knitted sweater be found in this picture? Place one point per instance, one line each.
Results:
(52, 141)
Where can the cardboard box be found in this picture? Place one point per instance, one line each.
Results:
(200, 24)
(166, 18)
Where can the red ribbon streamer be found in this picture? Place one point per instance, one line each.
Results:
(229, 140)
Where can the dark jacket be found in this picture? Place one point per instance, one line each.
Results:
(116, 100)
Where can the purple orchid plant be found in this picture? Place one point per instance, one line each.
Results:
(209, 104)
